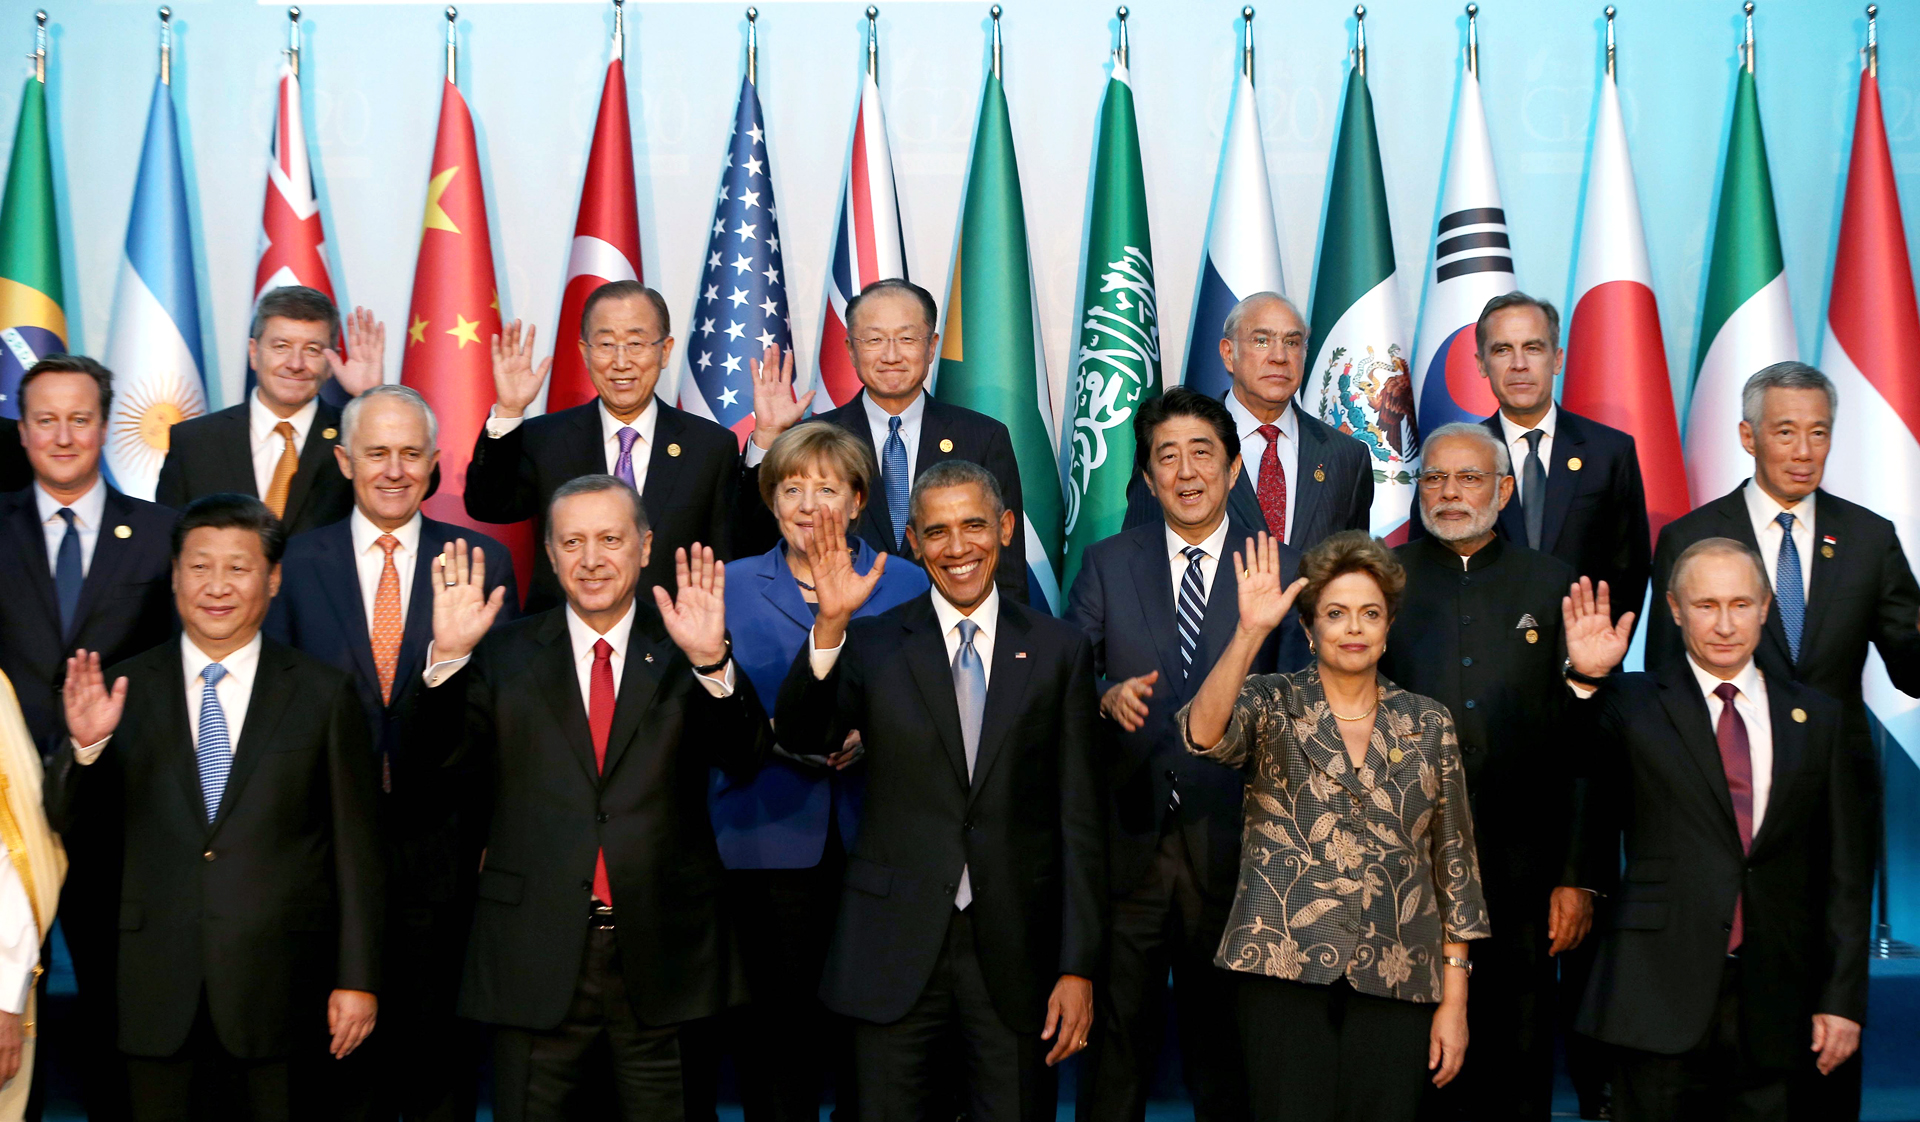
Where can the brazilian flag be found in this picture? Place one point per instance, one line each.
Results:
(32, 323)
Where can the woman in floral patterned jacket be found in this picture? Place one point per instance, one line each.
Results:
(1359, 884)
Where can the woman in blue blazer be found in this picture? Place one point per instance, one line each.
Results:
(784, 834)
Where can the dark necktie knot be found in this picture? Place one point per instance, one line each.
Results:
(1785, 518)
(1271, 432)
(66, 515)
(1532, 437)
(1193, 554)
(1726, 691)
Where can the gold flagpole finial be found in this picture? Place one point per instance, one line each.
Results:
(1873, 41)
(293, 41)
(166, 46)
(1609, 13)
(453, 45)
(1121, 53)
(1360, 38)
(620, 30)
(39, 55)
(1746, 44)
(1246, 50)
(995, 13)
(1473, 39)
(873, 42)
(753, 46)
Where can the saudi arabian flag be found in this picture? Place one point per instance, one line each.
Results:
(1358, 336)
(32, 322)
(1117, 353)
(990, 357)
(1745, 323)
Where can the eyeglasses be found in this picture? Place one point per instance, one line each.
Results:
(875, 343)
(1468, 480)
(1265, 340)
(607, 352)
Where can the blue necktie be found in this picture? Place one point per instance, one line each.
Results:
(213, 751)
(893, 472)
(1787, 592)
(970, 691)
(1192, 609)
(67, 577)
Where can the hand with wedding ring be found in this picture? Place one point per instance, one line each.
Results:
(462, 610)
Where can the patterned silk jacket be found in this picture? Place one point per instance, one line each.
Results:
(1357, 872)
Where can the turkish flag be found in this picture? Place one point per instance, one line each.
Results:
(606, 238)
(453, 319)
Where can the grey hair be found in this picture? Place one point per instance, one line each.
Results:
(350, 416)
(593, 485)
(1717, 547)
(1474, 430)
(1785, 376)
(1231, 325)
(954, 473)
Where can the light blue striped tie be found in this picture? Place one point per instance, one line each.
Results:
(893, 473)
(1192, 609)
(213, 750)
(1787, 591)
(970, 691)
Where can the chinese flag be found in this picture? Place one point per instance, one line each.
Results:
(606, 238)
(453, 319)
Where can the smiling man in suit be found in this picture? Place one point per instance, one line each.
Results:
(358, 595)
(278, 444)
(1159, 603)
(1302, 479)
(684, 467)
(893, 336)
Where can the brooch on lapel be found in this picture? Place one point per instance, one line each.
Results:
(1799, 716)
(123, 531)
(329, 434)
(1320, 473)
(1021, 654)
(673, 449)
(1573, 464)
(1826, 546)
(946, 445)
(649, 658)
(1527, 621)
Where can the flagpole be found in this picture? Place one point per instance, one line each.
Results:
(1609, 14)
(1360, 38)
(1746, 44)
(873, 42)
(166, 46)
(1246, 52)
(453, 49)
(1121, 53)
(620, 30)
(1473, 39)
(40, 46)
(995, 13)
(293, 41)
(1873, 40)
(753, 46)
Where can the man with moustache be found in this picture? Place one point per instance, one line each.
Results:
(893, 337)
(684, 467)
(974, 897)
(278, 444)
(358, 595)
(1160, 603)
(1304, 479)
(1480, 630)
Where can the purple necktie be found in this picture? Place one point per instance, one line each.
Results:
(1736, 757)
(623, 467)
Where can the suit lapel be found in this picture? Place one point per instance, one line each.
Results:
(1223, 610)
(648, 655)
(1569, 442)
(316, 456)
(926, 654)
(779, 590)
(665, 470)
(172, 714)
(1310, 491)
(1243, 505)
(934, 422)
(234, 453)
(110, 553)
(1789, 750)
(31, 539)
(876, 521)
(556, 680)
(1006, 692)
(1513, 517)
(416, 633)
(1687, 710)
(1824, 574)
(1325, 749)
(340, 583)
(273, 686)
(1153, 585)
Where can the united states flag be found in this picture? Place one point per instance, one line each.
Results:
(741, 308)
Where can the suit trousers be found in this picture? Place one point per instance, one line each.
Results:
(903, 1068)
(425, 1058)
(89, 921)
(1508, 1075)
(1166, 924)
(543, 1076)
(203, 1080)
(1714, 1082)
(1331, 1053)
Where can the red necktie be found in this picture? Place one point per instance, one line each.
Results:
(1273, 485)
(1736, 757)
(599, 726)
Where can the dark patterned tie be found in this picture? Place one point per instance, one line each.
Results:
(1192, 609)
(1787, 590)
(1736, 758)
(893, 476)
(1533, 488)
(1272, 490)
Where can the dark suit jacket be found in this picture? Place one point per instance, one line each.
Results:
(1334, 491)
(277, 901)
(947, 432)
(434, 846)
(1805, 885)
(15, 469)
(516, 708)
(214, 453)
(688, 494)
(1028, 826)
(1123, 598)
(1863, 595)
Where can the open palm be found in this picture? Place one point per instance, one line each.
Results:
(1264, 601)
(838, 587)
(1595, 644)
(696, 616)
(516, 377)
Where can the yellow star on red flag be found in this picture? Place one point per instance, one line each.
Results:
(464, 329)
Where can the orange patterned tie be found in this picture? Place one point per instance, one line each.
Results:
(387, 625)
(276, 496)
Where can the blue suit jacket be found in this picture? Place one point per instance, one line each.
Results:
(778, 819)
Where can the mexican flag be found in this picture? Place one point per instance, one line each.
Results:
(1117, 353)
(1746, 323)
(990, 356)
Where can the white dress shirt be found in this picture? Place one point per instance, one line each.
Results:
(19, 939)
(369, 560)
(267, 444)
(1517, 446)
(910, 419)
(1751, 704)
(1762, 509)
(610, 427)
(1214, 545)
(234, 690)
(88, 510)
(1253, 448)
(581, 635)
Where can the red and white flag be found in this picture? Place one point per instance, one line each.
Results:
(1871, 350)
(867, 244)
(1616, 359)
(292, 244)
(606, 237)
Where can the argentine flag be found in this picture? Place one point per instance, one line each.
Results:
(153, 341)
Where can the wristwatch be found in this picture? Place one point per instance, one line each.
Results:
(1463, 963)
(1573, 675)
(714, 667)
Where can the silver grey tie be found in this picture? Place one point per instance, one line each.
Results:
(970, 693)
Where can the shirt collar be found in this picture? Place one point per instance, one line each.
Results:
(1514, 432)
(365, 533)
(88, 509)
(1747, 681)
(644, 424)
(1213, 544)
(909, 417)
(582, 635)
(1248, 424)
(1484, 557)
(1763, 508)
(241, 663)
(987, 614)
(261, 420)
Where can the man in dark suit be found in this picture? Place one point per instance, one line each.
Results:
(15, 471)
(1321, 479)
(1479, 630)
(1160, 603)
(358, 596)
(974, 900)
(99, 582)
(278, 444)
(599, 921)
(1577, 489)
(685, 467)
(251, 900)
(893, 338)
(1733, 959)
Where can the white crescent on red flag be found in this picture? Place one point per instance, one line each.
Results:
(606, 237)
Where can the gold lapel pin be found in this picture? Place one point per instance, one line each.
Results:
(1799, 716)
(1532, 635)
(1573, 464)
(673, 449)
(649, 658)
(946, 445)
(123, 531)
(329, 434)
(1826, 551)
(1320, 474)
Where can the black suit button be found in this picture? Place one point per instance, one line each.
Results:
(600, 818)
(1469, 703)
(950, 889)
(1466, 662)
(207, 856)
(1727, 926)
(1169, 775)
(967, 826)
(1465, 620)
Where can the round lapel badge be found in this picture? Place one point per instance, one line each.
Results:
(1573, 464)
(1826, 551)
(1799, 716)
(673, 449)
(123, 531)
(946, 445)
(329, 434)
(1532, 635)
(1320, 475)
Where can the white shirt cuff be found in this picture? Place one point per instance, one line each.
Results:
(1581, 690)
(498, 427)
(823, 661)
(84, 755)
(437, 673)
(755, 453)
(721, 684)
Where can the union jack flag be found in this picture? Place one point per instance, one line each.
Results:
(292, 244)
(867, 245)
(741, 307)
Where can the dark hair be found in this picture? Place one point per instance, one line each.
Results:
(1516, 300)
(593, 485)
(1350, 551)
(954, 473)
(626, 290)
(299, 303)
(68, 364)
(897, 284)
(1181, 401)
(228, 511)
(1718, 547)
